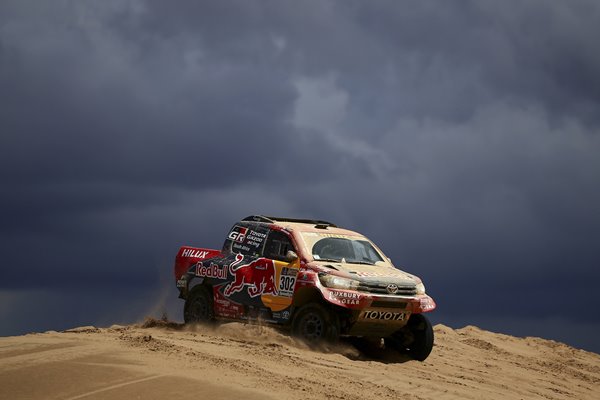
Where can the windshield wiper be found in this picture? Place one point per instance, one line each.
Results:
(359, 262)
(328, 260)
(346, 261)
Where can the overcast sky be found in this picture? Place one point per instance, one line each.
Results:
(461, 136)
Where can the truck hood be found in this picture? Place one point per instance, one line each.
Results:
(379, 273)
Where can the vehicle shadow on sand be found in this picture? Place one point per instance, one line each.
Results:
(373, 350)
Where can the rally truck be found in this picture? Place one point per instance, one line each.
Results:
(310, 277)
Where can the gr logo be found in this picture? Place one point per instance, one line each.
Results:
(238, 234)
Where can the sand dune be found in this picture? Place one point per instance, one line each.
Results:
(165, 360)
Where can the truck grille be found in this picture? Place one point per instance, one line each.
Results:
(388, 304)
(382, 288)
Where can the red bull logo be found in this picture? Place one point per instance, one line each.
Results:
(257, 275)
(212, 271)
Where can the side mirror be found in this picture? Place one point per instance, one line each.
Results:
(291, 256)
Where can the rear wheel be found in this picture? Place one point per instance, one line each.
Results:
(415, 339)
(199, 306)
(315, 324)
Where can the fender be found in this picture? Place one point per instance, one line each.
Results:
(188, 256)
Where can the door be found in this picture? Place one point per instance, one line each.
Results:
(276, 247)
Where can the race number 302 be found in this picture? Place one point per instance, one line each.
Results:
(286, 285)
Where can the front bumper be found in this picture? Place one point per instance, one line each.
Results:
(360, 301)
(374, 314)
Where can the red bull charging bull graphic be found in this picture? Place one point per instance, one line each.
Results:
(258, 276)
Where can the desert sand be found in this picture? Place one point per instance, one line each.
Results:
(161, 360)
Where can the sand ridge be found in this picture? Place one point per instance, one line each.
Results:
(159, 359)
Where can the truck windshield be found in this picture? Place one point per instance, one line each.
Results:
(338, 248)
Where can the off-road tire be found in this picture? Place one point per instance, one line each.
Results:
(415, 339)
(314, 324)
(199, 306)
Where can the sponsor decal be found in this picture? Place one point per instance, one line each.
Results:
(223, 302)
(303, 275)
(380, 274)
(281, 315)
(194, 253)
(181, 283)
(246, 240)
(258, 276)
(240, 247)
(339, 236)
(212, 271)
(383, 315)
(255, 239)
(238, 234)
(350, 298)
(287, 282)
(227, 308)
(426, 304)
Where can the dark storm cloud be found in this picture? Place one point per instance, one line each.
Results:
(135, 107)
(443, 60)
(461, 136)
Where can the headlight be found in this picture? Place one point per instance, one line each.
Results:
(420, 288)
(337, 282)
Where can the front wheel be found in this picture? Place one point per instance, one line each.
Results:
(315, 324)
(415, 339)
(199, 306)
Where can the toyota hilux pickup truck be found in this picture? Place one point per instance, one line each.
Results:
(310, 277)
